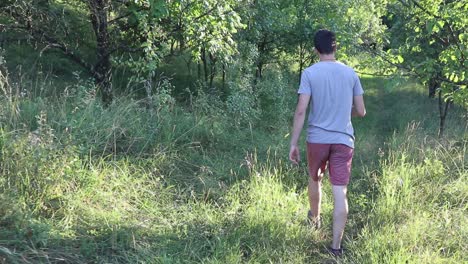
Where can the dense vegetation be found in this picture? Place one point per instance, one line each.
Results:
(153, 131)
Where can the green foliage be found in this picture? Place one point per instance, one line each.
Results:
(204, 104)
(284, 30)
(194, 25)
(427, 39)
(210, 24)
(241, 103)
(276, 96)
(143, 32)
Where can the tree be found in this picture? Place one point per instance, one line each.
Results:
(57, 26)
(354, 21)
(91, 32)
(429, 39)
(206, 29)
(287, 27)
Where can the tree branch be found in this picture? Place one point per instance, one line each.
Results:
(41, 36)
(123, 16)
(54, 43)
(416, 3)
(455, 38)
(207, 12)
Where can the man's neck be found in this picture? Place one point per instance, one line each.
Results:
(327, 57)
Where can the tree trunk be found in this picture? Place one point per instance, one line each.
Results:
(205, 66)
(213, 69)
(259, 71)
(224, 77)
(188, 63)
(102, 69)
(443, 110)
(301, 59)
(260, 62)
(432, 86)
(181, 44)
(172, 47)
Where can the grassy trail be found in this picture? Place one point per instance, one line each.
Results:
(210, 193)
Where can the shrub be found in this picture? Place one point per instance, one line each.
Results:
(276, 98)
(242, 103)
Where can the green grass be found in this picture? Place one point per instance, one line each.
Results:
(154, 182)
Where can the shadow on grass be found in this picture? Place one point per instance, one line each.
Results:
(227, 237)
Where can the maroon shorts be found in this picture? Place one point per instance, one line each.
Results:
(339, 159)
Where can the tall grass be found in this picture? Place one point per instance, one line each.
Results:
(419, 214)
(151, 181)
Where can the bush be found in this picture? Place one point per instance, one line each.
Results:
(242, 103)
(276, 98)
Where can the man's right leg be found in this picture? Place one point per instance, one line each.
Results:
(315, 197)
(341, 157)
(317, 155)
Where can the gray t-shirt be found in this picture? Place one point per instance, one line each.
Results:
(332, 86)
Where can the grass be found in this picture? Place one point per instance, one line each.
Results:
(153, 182)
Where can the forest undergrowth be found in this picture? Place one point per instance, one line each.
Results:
(154, 181)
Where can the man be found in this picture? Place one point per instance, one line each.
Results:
(335, 94)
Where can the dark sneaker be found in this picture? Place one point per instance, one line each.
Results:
(335, 252)
(315, 222)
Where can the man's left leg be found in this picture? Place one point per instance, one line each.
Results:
(340, 214)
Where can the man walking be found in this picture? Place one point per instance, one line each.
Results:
(335, 94)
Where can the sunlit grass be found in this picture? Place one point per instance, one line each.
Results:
(127, 185)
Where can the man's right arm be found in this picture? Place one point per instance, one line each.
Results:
(298, 123)
(359, 108)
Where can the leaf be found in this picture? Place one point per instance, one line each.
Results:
(400, 59)
(158, 8)
(462, 36)
(452, 77)
(430, 26)
(440, 24)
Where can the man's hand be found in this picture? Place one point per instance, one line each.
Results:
(294, 155)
